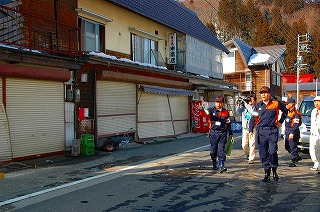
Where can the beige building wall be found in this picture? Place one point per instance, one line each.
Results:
(118, 32)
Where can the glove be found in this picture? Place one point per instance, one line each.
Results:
(291, 136)
(251, 135)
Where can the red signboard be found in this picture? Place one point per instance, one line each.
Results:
(292, 78)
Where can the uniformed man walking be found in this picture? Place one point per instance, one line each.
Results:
(265, 116)
(292, 132)
(220, 126)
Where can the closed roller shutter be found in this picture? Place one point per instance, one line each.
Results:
(154, 118)
(161, 115)
(5, 144)
(35, 112)
(180, 113)
(116, 107)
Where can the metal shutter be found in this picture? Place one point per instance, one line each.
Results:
(180, 113)
(116, 107)
(5, 143)
(35, 112)
(154, 118)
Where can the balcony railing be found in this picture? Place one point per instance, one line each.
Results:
(32, 33)
(246, 86)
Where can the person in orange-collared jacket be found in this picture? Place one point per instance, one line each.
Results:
(265, 118)
(220, 126)
(292, 132)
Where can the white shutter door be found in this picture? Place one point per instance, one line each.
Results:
(180, 113)
(35, 112)
(154, 119)
(5, 148)
(116, 107)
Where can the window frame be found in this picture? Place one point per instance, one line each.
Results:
(142, 49)
(99, 35)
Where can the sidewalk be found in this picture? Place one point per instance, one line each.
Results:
(67, 159)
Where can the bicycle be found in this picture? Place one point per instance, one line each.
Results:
(115, 142)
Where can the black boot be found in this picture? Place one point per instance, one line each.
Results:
(214, 162)
(266, 175)
(298, 158)
(214, 165)
(293, 164)
(221, 166)
(274, 174)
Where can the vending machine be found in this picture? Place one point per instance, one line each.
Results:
(200, 121)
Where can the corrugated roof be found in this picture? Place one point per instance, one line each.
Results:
(167, 91)
(174, 15)
(245, 50)
(275, 52)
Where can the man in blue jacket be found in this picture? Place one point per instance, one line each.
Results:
(292, 132)
(265, 117)
(220, 126)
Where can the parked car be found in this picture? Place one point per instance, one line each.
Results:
(305, 109)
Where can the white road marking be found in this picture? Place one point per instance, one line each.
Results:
(24, 197)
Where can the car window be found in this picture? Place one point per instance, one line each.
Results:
(306, 107)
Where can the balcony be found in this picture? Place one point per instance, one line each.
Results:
(246, 86)
(35, 34)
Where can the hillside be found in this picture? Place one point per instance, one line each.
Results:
(264, 23)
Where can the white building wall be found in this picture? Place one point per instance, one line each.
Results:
(203, 59)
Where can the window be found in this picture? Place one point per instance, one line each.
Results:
(248, 79)
(276, 74)
(92, 36)
(144, 50)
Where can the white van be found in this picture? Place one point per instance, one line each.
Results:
(305, 109)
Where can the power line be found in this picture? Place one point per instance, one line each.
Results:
(288, 36)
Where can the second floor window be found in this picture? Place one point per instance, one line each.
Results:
(248, 79)
(144, 50)
(275, 74)
(92, 36)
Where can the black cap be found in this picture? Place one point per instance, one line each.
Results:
(291, 101)
(265, 89)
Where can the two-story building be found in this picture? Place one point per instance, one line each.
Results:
(158, 56)
(101, 67)
(39, 51)
(250, 68)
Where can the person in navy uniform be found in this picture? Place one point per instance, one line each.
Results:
(220, 126)
(292, 132)
(265, 118)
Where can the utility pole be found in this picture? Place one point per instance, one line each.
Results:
(303, 46)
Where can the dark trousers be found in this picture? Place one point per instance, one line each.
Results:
(268, 147)
(218, 142)
(291, 145)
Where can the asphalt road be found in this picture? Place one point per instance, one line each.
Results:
(162, 176)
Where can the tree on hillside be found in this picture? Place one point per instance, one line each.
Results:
(265, 22)
(232, 15)
(292, 6)
(316, 51)
(278, 27)
(263, 35)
